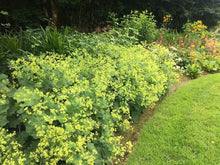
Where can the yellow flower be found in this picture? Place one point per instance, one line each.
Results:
(167, 18)
(203, 35)
(202, 47)
(199, 22)
(195, 59)
(203, 53)
(192, 53)
(192, 46)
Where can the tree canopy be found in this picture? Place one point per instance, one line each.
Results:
(88, 14)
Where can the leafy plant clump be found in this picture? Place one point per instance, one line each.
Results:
(196, 49)
(141, 25)
(67, 110)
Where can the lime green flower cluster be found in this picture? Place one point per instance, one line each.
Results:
(4, 102)
(71, 107)
(10, 152)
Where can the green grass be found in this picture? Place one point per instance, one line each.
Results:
(185, 128)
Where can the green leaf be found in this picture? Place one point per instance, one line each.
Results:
(26, 96)
(91, 146)
(4, 108)
(3, 12)
(3, 81)
(3, 113)
(3, 120)
(31, 130)
(13, 122)
(135, 115)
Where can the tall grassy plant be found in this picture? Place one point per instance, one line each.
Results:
(10, 49)
(52, 40)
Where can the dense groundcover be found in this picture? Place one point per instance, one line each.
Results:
(66, 109)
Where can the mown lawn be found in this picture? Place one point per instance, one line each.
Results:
(185, 128)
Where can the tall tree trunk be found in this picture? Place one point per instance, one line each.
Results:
(46, 11)
(54, 12)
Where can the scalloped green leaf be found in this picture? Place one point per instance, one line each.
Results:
(3, 112)
(26, 97)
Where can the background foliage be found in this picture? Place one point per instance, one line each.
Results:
(87, 14)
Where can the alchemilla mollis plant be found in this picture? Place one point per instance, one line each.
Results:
(67, 109)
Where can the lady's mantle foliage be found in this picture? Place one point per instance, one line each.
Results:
(68, 109)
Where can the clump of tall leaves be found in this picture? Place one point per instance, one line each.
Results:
(64, 41)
